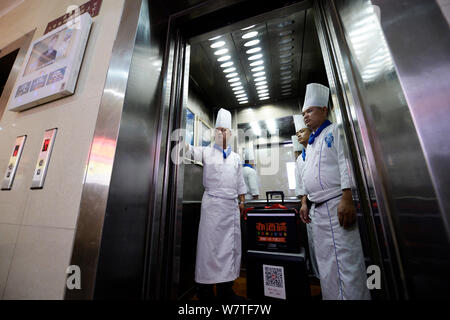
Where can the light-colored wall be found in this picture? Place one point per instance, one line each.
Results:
(37, 226)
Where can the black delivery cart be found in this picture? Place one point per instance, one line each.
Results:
(276, 268)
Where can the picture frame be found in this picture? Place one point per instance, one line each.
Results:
(204, 135)
(51, 65)
(191, 126)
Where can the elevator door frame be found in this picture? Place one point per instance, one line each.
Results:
(177, 73)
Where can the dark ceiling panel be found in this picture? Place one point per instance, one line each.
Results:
(290, 53)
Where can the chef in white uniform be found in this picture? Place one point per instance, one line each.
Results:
(250, 175)
(219, 236)
(302, 136)
(326, 181)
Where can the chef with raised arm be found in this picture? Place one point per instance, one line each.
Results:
(302, 136)
(218, 258)
(326, 181)
(250, 175)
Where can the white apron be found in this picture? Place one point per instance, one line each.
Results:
(219, 235)
(300, 191)
(339, 255)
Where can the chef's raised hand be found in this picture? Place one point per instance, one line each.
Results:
(346, 210)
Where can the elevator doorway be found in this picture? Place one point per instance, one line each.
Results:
(206, 85)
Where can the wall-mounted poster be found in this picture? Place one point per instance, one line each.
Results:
(190, 127)
(204, 134)
(51, 66)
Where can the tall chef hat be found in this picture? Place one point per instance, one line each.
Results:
(316, 96)
(296, 144)
(223, 119)
(299, 122)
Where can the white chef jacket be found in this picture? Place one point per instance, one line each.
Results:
(251, 181)
(326, 171)
(219, 236)
(299, 166)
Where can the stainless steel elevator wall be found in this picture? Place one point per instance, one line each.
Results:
(391, 139)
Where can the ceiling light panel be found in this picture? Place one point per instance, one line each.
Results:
(217, 44)
(250, 34)
(253, 50)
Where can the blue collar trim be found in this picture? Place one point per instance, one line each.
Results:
(226, 153)
(248, 165)
(304, 154)
(317, 133)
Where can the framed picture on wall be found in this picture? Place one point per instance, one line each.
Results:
(191, 124)
(51, 66)
(204, 133)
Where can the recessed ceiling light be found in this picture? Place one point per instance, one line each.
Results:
(286, 61)
(217, 44)
(251, 43)
(242, 99)
(285, 82)
(233, 79)
(253, 50)
(250, 34)
(231, 75)
(260, 83)
(239, 91)
(264, 98)
(243, 102)
(286, 67)
(287, 40)
(215, 38)
(260, 79)
(237, 88)
(241, 95)
(229, 70)
(263, 94)
(258, 74)
(286, 77)
(255, 56)
(285, 55)
(257, 69)
(263, 91)
(285, 23)
(249, 27)
(286, 48)
(285, 33)
(286, 86)
(220, 52)
(261, 87)
(226, 64)
(224, 58)
(286, 72)
(235, 84)
(256, 63)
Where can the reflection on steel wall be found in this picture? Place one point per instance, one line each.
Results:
(111, 238)
(391, 152)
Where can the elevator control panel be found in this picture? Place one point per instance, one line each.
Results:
(13, 163)
(44, 157)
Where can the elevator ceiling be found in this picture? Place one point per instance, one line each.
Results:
(265, 62)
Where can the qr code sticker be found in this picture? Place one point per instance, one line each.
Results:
(274, 276)
(274, 282)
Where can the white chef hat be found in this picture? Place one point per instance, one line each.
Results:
(316, 96)
(299, 122)
(223, 119)
(249, 154)
(296, 144)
